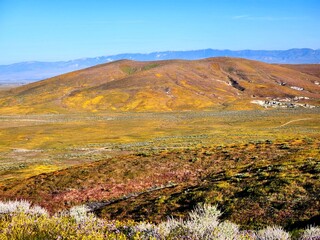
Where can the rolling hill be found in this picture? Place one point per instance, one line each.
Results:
(171, 85)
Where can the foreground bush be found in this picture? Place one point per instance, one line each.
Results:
(311, 233)
(20, 220)
(272, 233)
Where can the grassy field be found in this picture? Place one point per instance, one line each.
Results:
(151, 165)
(33, 144)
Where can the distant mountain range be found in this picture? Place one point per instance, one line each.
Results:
(25, 72)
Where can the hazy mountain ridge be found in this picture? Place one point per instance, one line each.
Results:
(32, 71)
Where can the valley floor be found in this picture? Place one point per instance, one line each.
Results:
(261, 167)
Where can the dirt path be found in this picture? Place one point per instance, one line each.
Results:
(296, 120)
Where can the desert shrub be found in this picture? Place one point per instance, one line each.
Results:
(18, 220)
(226, 231)
(21, 220)
(311, 233)
(147, 231)
(167, 227)
(15, 207)
(273, 233)
(81, 213)
(202, 223)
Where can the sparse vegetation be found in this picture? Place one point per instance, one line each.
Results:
(280, 185)
(150, 66)
(20, 221)
(129, 70)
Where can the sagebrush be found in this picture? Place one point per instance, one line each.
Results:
(21, 220)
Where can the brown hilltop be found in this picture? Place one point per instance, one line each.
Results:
(172, 85)
(312, 69)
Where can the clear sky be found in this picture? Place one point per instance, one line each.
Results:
(50, 30)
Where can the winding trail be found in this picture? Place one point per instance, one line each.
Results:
(296, 120)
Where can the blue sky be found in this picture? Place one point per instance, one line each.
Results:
(50, 30)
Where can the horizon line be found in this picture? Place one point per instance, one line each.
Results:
(153, 52)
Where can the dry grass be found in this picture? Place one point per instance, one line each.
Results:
(312, 69)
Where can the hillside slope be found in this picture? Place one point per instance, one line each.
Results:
(256, 183)
(312, 69)
(173, 85)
